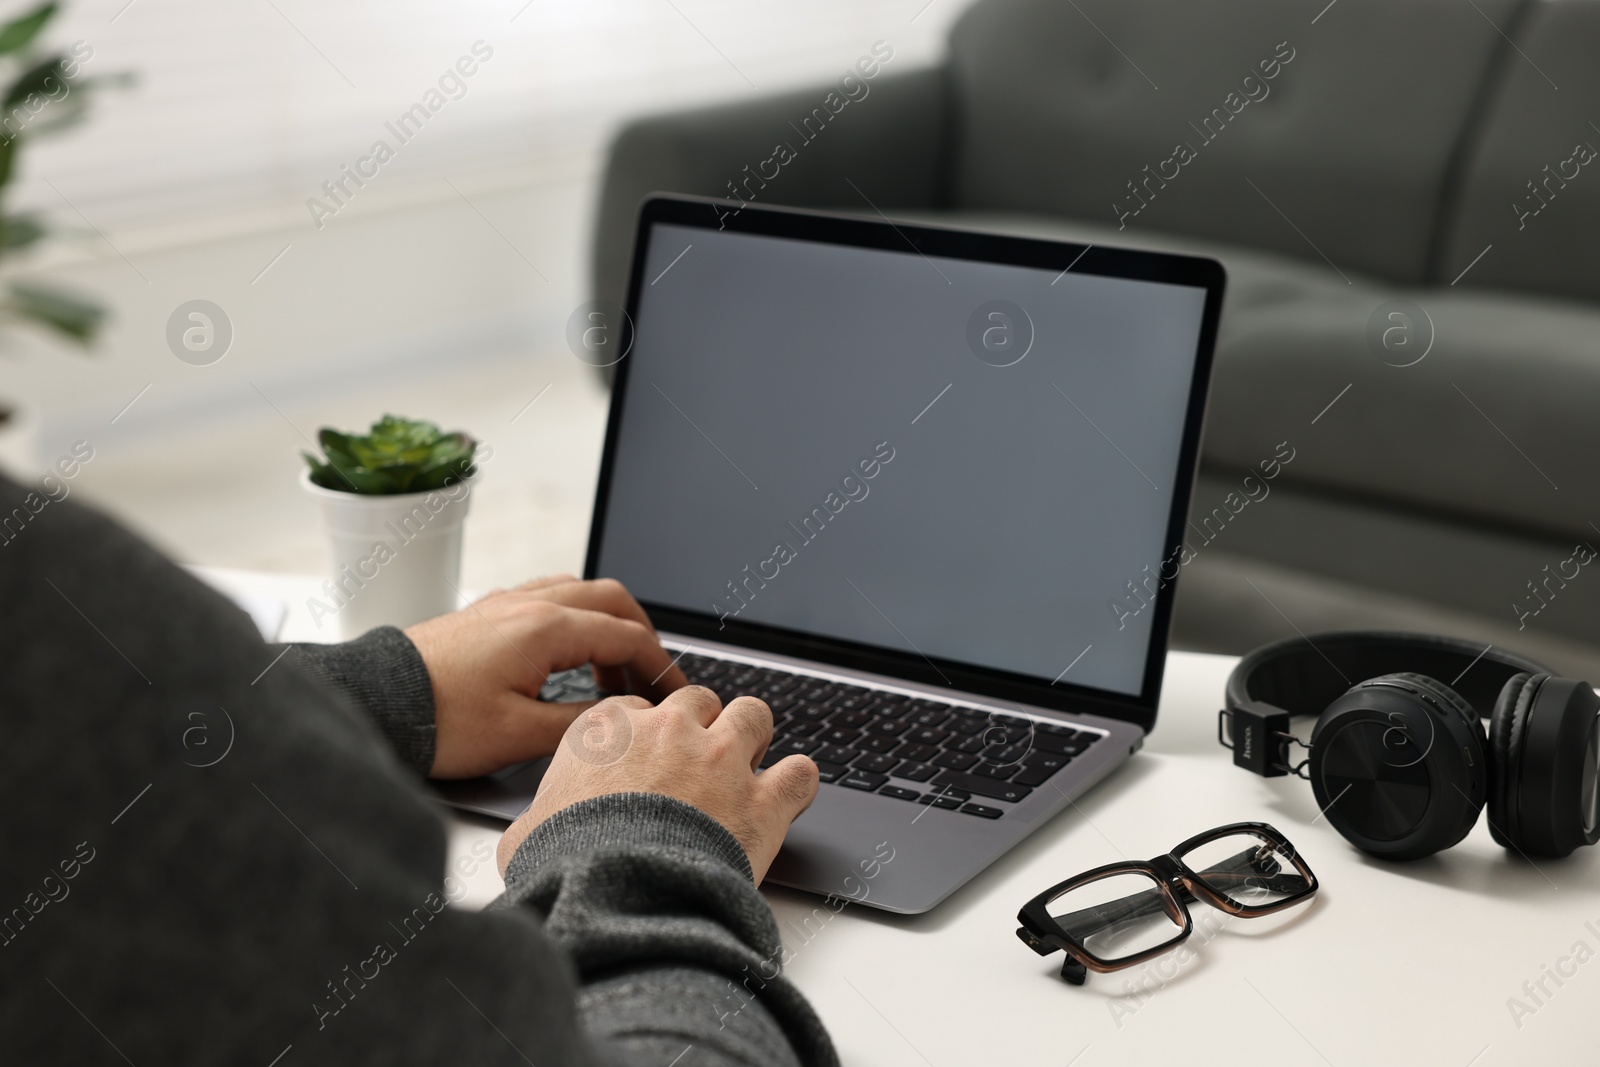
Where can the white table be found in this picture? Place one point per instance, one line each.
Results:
(1392, 964)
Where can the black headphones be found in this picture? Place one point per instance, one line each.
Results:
(1400, 763)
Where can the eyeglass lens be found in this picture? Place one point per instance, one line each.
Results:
(1118, 916)
(1247, 868)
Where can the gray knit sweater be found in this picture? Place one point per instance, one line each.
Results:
(212, 855)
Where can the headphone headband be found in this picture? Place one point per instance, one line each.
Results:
(1303, 675)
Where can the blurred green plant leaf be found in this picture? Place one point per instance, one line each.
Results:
(44, 80)
(63, 312)
(19, 231)
(20, 32)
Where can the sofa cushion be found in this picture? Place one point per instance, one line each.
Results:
(1496, 425)
(1059, 108)
(1531, 188)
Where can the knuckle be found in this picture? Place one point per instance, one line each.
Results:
(610, 587)
(699, 694)
(685, 700)
(540, 612)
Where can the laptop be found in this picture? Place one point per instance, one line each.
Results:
(917, 488)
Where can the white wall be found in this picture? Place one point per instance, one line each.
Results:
(190, 183)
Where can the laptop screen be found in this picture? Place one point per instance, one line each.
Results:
(962, 460)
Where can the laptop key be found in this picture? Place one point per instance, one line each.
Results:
(835, 753)
(1067, 746)
(997, 771)
(960, 796)
(799, 727)
(998, 733)
(1055, 728)
(831, 772)
(879, 743)
(920, 753)
(788, 746)
(914, 771)
(858, 779)
(928, 717)
(842, 736)
(955, 761)
(876, 762)
(849, 718)
(981, 811)
(983, 787)
(898, 793)
(999, 755)
(927, 735)
(887, 727)
(938, 801)
(1037, 770)
(967, 724)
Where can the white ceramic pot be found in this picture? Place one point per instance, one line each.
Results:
(396, 559)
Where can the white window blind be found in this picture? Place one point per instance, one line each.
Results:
(244, 104)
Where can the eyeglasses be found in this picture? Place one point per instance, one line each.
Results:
(1123, 914)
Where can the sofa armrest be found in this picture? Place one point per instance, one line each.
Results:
(890, 142)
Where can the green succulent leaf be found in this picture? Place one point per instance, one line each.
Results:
(20, 32)
(397, 455)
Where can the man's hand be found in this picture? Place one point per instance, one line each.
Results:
(488, 660)
(689, 747)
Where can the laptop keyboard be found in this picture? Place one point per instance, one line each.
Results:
(951, 756)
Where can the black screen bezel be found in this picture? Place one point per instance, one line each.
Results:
(911, 238)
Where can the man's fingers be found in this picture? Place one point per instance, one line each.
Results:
(581, 636)
(698, 702)
(791, 785)
(603, 594)
(750, 721)
(526, 587)
(545, 582)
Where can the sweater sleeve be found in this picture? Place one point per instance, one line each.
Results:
(383, 674)
(654, 902)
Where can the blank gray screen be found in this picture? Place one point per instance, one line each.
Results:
(1015, 504)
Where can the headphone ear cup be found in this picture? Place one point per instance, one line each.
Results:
(1506, 730)
(1473, 747)
(1447, 696)
(1545, 748)
(1408, 751)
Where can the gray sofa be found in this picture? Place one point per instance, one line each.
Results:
(1339, 158)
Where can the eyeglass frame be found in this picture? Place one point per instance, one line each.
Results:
(1042, 933)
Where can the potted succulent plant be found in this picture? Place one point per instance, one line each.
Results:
(394, 501)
